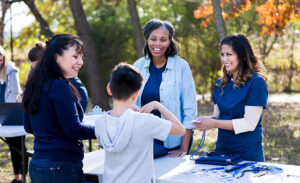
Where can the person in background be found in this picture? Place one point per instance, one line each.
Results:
(167, 79)
(54, 114)
(34, 56)
(84, 98)
(36, 53)
(10, 92)
(129, 149)
(240, 96)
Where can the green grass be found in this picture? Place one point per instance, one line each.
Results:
(281, 124)
(282, 133)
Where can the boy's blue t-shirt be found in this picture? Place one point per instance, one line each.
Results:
(231, 103)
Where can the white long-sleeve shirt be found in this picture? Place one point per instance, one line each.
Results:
(248, 122)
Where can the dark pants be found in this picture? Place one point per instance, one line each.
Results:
(15, 147)
(49, 171)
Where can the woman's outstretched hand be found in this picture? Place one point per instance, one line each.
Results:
(203, 123)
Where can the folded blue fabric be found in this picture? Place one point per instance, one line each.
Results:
(213, 158)
(158, 149)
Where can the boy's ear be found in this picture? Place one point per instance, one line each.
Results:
(108, 89)
(135, 95)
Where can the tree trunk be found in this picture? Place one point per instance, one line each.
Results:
(136, 28)
(291, 72)
(264, 48)
(95, 81)
(219, 19)
(4, 7)
(45, 29)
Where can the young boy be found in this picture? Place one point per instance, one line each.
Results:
(127, 136)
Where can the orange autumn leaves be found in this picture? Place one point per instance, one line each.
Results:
(205, 11)
(274, 14)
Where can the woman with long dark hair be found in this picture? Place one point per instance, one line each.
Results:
(54, 114)
(240, 96)
(36, 53)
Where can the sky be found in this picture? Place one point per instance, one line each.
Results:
(20, 18)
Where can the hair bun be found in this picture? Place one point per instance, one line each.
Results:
(48, 42)
(39, 44)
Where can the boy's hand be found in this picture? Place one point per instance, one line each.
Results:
(135, 108)
(149, 107)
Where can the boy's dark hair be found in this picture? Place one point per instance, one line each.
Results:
(125, 80)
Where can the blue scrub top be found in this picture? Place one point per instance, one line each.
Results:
(151, 93)
(151, 89)
(231, 103)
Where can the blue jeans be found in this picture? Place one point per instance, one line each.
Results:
(49, 171)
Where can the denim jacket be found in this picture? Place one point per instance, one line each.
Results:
(12, 89)
(177, 92)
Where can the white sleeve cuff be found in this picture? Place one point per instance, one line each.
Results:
(216, 111)
(250, 120)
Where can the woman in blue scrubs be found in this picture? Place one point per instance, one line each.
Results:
(239, 97)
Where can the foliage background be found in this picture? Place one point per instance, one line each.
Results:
(199, 45)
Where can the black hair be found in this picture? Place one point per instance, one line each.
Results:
(153, 24)
(48, 69)
(36, 53)
(248, 62)
(125, 80)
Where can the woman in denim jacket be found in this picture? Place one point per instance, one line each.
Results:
(167, 79)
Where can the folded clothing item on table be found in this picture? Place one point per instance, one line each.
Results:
(213, 158)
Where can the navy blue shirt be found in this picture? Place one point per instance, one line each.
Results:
(57, 126)
(151, 93)
(2, 92)
(82, 92)
(231, 104)
(151, 89)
